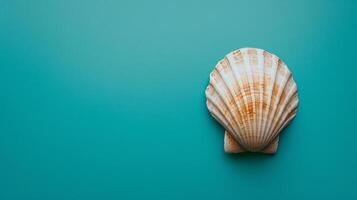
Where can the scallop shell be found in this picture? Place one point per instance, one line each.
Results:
(253, 95)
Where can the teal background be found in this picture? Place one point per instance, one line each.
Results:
(105, 99)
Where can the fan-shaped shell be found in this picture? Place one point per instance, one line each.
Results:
(253, 95)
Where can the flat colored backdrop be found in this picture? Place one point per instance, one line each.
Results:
(105, 99)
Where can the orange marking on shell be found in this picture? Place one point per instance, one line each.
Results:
(257, 97)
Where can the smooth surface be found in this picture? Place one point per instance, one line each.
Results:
(105, 99)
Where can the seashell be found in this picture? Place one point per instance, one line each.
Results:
(253, 95)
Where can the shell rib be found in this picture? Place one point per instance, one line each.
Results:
(253, 95)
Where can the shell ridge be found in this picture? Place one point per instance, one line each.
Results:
(218, 115)
(261, 89)
(270, 94)
(236, 81)
(252, 96)
(240, 86)
(246, 116)
(288, 120)
(227, 104)
(277, 101)
(273, 99)
(213, 106)
(291, 106)
(219, 100)
(238, 70)
(266, 85)
(290, 100)
(283, 105)
(215, 103)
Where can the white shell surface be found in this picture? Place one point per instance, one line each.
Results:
(253, 95)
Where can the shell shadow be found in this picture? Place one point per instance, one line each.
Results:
(250, 160)
(249, 164)
(256, 160)
(246, 159)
